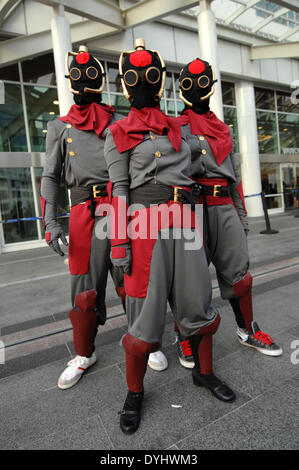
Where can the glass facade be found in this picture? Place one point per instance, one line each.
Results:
(277, 126)
(12, 124)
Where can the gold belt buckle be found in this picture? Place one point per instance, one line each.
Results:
(176, 194)
(96, 192)
(216, 190)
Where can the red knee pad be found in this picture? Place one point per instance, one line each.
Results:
(84, 322)
(243, 286)
(86, 300)
(137, 347)
(212, 328)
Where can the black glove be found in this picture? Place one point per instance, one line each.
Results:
(52, 238)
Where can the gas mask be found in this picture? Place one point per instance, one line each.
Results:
(143, 75)
(196, 83)
(86, 76)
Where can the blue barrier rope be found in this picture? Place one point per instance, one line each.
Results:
(252, 195)
(28, 219)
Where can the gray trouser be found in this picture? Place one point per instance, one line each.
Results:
(227, 247)
(179, 276)
(99, 266)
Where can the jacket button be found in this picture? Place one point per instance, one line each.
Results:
(158, 154)
(203, 151)
(69, 140)
(71, 153)
(201, 138)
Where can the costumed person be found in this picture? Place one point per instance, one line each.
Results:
(149, 165)
(214, 169)
(75, 155)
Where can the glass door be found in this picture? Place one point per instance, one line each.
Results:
(272, 187)
(290, 182)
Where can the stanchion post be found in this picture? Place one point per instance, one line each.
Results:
(269, 230)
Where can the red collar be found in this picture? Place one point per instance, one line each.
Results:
(216, 132)
(89, 117)
(128, 132)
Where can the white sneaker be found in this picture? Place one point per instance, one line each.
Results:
(157, 361)
(76, 368)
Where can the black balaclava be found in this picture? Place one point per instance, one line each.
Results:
(81, 72)
(142, 93)
(192, 72)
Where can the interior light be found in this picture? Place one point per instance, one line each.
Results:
(45, 131)
(285, 129)
(260, 127)
(52, 112)
(56, 102)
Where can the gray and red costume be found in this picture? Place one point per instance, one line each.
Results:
(149, 165)
(213, 167)
(75, 155)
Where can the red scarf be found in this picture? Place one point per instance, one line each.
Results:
(216, 132)
(128, 132)
(89, 117)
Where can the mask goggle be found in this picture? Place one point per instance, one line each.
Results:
(152, 75)
(202, 82)
(92, 73)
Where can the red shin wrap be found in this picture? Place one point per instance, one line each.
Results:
(137, 352)
(84, 323)
(243, 291)
(205, 348)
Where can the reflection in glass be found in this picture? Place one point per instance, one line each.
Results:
(180, 106)
(169, 86)
(105, 99)
(42, 106)
(12, 128)
(39, 70)
(114, 78)
(16, 199)
(120, 104)
(267, 132)
(289, 186)
(170, 108)
(271, 184)
(288, 132)
(10, 72)
(285, 104)
(264, 99)
(230, 119)
(228, 93)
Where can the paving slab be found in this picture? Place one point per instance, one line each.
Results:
(270, 422)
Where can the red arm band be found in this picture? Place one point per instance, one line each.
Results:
(119, 222)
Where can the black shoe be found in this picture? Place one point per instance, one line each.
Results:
(218, 388)
(184, 351)
(131, 414)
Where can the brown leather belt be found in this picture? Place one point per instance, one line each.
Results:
(84, 193)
